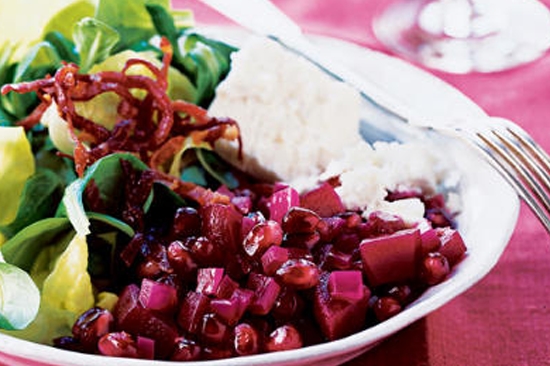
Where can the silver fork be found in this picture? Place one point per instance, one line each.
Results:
(506, 146)
(517, 157)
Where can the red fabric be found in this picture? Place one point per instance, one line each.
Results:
(504, 319)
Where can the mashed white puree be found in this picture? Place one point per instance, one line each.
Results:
(300, 126)
(294, 119)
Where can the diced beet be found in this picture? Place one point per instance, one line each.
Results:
(226, 287)
(193, 308)
(338, 318)
(145, 348)
(232, 309)
(243, 298)
(393, 258)
(158, 296)
(159, 329)
(266, 290)
(274, 258)
(128, 301)
(323, 200)
(226, 310)
(222, 226)
(430, 241)
(452, 245)
(133, 318)
(381, 223)
(346, 285)
(223, 189)
(242, 203)
(281, 201)
(208, 280)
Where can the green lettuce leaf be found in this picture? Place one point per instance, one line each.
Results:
(94, 41)
(65, 19)
(41, 195)
(107, 176)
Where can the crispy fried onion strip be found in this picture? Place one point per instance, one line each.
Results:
(146, 126)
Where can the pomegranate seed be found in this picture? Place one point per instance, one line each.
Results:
(156, 262)
(187, 222)
(284, 338)
(180, 258)
(439, 217)
(347, 242)
(401, 293)
(205, 252)
(262, 236)
(300, 220)
(185, 350)
(213, 331)
(118, 344)
(331, 228)
(288, 305)
(336, 260)
(246, 340)
(92, 325)
(298, 273)
(353, 219)
(435, 268)
(385, 307)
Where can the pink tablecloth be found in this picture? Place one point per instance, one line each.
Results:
(504, 319)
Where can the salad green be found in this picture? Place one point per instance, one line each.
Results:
(58, 230)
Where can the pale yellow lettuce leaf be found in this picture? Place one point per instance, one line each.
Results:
(16, 166)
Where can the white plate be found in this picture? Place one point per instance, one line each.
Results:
(490, 211)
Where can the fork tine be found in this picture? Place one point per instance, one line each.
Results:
(528, 142)
(523, 151)
(521, 161)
